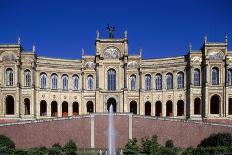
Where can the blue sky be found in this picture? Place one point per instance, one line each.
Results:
(161, 28)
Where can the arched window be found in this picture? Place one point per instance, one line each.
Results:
(215, 76)
(27, 78)
(229, 77)
(65, 82)
(111, 79)
(27, 106)
(54, 81)
(75, 82)
(9, 77)
(43, 81)
(90, 82)
(196, 77)
(132, 82)
(180, 80)
(148, 82)
(169, 81)
(158, 82)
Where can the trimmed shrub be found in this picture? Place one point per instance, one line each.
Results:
(70, 148)
(220, 139)
(169, 144)
(55, 150)
(6, 142)
(150, 146)
(131, 147)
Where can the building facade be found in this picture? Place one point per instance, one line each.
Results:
(197, 85)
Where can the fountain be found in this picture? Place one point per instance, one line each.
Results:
(111, 133)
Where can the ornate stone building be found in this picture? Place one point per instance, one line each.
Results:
(197, 85)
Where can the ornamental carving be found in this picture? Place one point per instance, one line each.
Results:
(229, 58)
(111, 53)
(216, 55)
(89, 65)
(196, 59)
(9, 57)
(133, 64)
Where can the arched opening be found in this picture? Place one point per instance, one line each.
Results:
(54, 108)
(215, 76)
(169, 108)
(43, 108)
(64, 109)
(148, 108)
(75, 108)
(230, 106)
(180, 108)
(158, 108)
(133, 107)
(197, 106)
(89, 107)
(112, 101)
(26, 106)
(9, 105)
(214, 104)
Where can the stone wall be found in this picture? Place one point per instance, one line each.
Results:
(91, 131)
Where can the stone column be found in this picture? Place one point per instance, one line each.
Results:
(130, 126)
(92, 131)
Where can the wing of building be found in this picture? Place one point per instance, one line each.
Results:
(196, 85)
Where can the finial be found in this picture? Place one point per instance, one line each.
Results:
(33, 48)
(125, 34)
(97, 34)
(18, 41)
(82, 52)
(190, 47)
(206, 39)
(226, 39)
(140, 52)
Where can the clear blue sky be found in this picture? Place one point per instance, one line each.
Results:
(161, 28)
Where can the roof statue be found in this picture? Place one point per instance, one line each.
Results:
(111, 30)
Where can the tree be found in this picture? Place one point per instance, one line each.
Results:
(219, 139)
(131, 147)
(70, 148)
(150, 146)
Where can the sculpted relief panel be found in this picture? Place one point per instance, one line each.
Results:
(111, 53)
(216, 55)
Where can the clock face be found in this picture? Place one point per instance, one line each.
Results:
(111, 53)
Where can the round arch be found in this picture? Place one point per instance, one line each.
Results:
(148, 108)
(54, 108)
(112, 101)
(90, 107)
(158, 108)
(43, 108)
(215, 104)
(180, 108)
(75, 108)
(169, 108)
(65, 109)
(133, 107)
(9, 105)
(27, 106)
